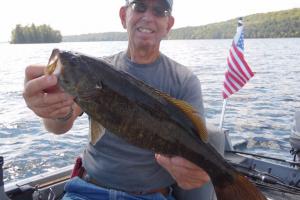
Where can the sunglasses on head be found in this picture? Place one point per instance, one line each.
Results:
(157, 10)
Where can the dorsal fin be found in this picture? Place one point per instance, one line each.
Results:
(191, 113)
(183, 106)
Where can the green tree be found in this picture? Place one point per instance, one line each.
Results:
(35, 34)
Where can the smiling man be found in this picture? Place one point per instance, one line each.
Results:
(147, 23)
(115, 169)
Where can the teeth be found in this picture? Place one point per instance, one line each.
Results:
(145, 30)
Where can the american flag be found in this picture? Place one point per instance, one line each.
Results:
(238, 71)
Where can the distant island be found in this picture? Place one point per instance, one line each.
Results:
(35, 34)
(280, 24)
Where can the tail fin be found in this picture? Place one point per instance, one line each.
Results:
(240, 189)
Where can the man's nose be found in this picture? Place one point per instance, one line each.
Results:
(148, 14)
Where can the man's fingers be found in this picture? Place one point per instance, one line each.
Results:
(166, 163)
(34, 71)
(53, 113)
(52, 110)
(54, 101)
(47, 104)
(51, 102)
(187, 174)
(175, 161)
(61, 112)
(181, 162)
(163, 161)
(39, 84)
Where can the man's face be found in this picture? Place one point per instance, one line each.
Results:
(144, 24)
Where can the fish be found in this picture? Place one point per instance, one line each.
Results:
(146, 117)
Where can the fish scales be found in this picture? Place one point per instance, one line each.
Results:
(128, 107)
(145, 117)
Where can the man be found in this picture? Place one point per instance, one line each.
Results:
(113, 167)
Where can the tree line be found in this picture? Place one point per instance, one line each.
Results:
(35, 34)
(278, 24)
(108, 36)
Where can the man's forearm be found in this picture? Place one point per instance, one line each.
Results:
(57, 127)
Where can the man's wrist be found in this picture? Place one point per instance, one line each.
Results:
(67, 117)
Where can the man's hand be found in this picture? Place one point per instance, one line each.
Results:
(187, 174)
(43, 96)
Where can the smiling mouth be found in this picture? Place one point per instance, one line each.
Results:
(145, 30)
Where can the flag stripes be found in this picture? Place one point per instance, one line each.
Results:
(238, 71)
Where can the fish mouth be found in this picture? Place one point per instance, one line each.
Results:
(54, 65)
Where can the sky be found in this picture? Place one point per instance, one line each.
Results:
(72, 17)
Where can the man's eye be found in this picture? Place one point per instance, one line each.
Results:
(140, 7)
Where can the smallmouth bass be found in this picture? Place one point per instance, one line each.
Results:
(146, 117)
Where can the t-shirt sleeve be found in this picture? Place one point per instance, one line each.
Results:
(191, 93)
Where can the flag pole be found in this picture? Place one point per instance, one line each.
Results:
(222, 115)
(238, 71)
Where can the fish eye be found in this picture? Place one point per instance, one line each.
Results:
(99, 85)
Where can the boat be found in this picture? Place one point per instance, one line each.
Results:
(278, 179)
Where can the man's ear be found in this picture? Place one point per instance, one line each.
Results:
(122, 14)
(170, 23)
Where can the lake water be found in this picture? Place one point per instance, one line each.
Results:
(261, 113)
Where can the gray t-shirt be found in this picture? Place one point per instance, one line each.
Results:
(117, 164)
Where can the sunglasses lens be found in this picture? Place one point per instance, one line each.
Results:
(141, 7)
(160, 11)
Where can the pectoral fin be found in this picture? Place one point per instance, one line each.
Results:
(96, 131)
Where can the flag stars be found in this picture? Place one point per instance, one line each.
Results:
(240, 43)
